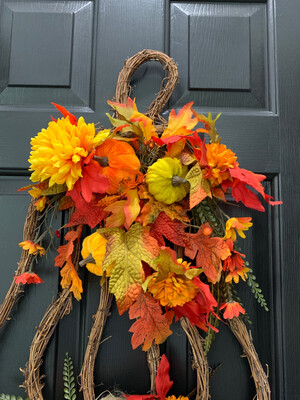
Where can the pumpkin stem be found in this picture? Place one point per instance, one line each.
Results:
(177, 180)
(89, 259)
(103, 161)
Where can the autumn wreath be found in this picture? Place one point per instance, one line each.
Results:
(163, 246)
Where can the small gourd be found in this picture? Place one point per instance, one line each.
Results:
(166, 180)
(93, 252)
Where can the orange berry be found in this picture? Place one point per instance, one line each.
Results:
(207, 231)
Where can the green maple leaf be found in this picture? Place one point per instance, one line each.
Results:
(126, 251)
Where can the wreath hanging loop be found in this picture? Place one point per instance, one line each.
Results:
(168, 85)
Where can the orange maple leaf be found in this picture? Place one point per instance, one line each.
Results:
(151, 325)
(65, 251)
(209, 251)
(182, 123)
(153, 208)
(70, 279)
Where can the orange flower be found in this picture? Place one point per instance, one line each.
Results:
(172, 291)
(40, 204)
(33, 248)
(235, 265)
(176, 398)
(232, 309)
(118, 162)
(219, 159)
(28, 277)
(237, 224)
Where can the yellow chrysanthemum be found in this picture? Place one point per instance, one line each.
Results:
(58, 151)
(219, 160)
(172, 291)
(33, 248)
(177, 398)
(238, 225)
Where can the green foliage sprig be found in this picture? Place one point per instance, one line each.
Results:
(11, 397)
(255, 289)
(69, 380)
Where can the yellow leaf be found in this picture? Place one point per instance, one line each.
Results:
(199, 187)
(127, 250)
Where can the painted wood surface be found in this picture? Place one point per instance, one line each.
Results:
(240, 58)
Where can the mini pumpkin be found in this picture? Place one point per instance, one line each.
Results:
(118, 162)
(166, 180)
(93, 250)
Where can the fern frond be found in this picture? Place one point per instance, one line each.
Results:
(256, 290)
(69, 380)
(11, 397)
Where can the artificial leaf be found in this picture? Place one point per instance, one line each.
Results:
(65, 202)
(132, 207)
(199, 187)
(70, 279)
(124, 212)
(54, 189)
(66, 113)
(174, 231)
(151, 325)
(92, 181)
(127, 250)
(153, 208)
(209, 124)
(181, 123)
(167, 262)
(117, 217)
(253, 180)
(198, 310)
(65, 251)
(209, 251)
(124, 110)
(90, 214)
(241, 193)
(219, 193)
(187, 158)
(162, 382)
(145, 125)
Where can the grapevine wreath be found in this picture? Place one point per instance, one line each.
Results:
(152, 192)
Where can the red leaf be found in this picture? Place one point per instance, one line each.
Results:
(92, 181)
(241, 193)
(211, 250)
(88, 214)
(171, 230)
(151, 325)
(66, 113)
(197, 310)
(253, 180)
(163, 383)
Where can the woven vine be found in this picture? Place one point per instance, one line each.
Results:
(33, 380)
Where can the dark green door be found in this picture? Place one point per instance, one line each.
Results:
(240, 58)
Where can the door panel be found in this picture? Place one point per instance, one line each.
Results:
(234, 57)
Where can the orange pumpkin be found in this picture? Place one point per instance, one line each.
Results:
(118, 162)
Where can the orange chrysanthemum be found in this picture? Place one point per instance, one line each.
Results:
(28, 277)
(172, 291)
(232, 309)
(33, 248)
(238, 225)
(219, 159)
(177, 398)
(58, 151)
